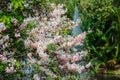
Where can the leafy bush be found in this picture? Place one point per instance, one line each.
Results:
(101, 19)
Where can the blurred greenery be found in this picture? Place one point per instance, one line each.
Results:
(102, 20)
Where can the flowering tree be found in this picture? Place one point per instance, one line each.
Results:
(52, 43)
(48, 44)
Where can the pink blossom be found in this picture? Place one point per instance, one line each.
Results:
(54, 76)
(3, 58)
(54, 24)
(81, 69)
(32, 60)
(56, 13)
(34, 45)
(88, 65)
(84, 52)
(15, 21)
(29, 55)
(10, 69)
(17, 35)
(16, 30)
(62, 59)
(72, 67)
(44, 56)
(76, 58)
(27, 43)
(22, 26)
(36, 77)
(6, 38)
(83, 35)
(1, 41)
(56, 39)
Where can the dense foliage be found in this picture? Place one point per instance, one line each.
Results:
(102, 19)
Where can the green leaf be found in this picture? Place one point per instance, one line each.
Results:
(17, 64)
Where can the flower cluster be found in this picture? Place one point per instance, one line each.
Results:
(11, 68)
(49, 30)
(6, 52)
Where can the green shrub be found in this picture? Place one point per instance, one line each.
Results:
(102, 18)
